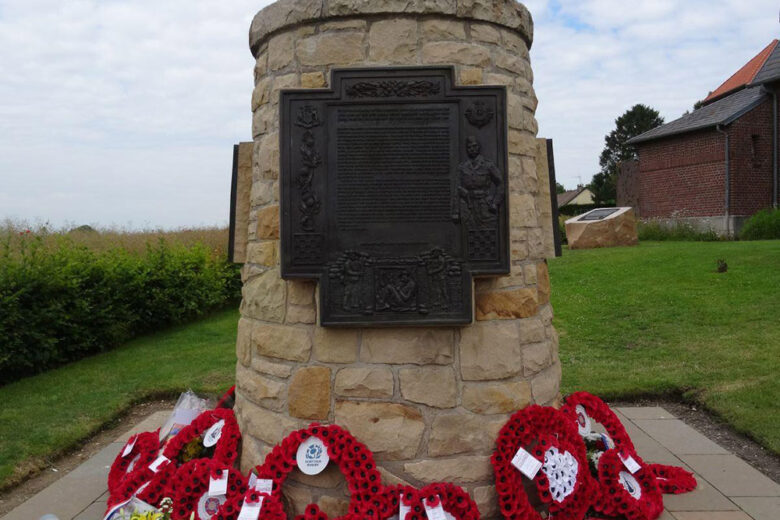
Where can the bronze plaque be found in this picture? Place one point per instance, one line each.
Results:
(393, 194)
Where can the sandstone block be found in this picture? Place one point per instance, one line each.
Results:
(251, 454)
(244, 341)
(536, 357)
(283, 82)
(268, 223)
(280, 50)
(522, 210)
(529, 274)
(261, 93)
(543, 283)
(487, 501)
(521, 143)
(498, 397)
(298, 498)
(313, 80)
(546, 384)
(268, 156)
(485, 33)
(490, 350)
(439, 29)
(260, 389)
(392, 431)
(263, 192)
(264, 121)
(274, 369)
(462, 469)
(264, 297)
(333, 507)
(300, 314)
(282, 342)
(531, 330)
(617, 229)
(455, 52)
(512, 41)
(393, 40)
(507, 304)
(342, 25)
(340, 48)
(329, 478)
(470, 76)
(335, 345)
(309, 394)
(364, 382)
(262, 253)
(300, 292)
(507, 12)
(280, 14)
(270, 427)
(407, 345)
(434, 386)
(261, 64)
(511, 62)
(463, 433)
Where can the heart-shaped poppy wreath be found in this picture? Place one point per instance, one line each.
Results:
(563, 480)
(634, 496)
(353, 458)
(270, 508)
(583, 408)
(189, 489)
(143, 451)
(151, 486)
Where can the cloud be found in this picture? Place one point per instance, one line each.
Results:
(117, 112)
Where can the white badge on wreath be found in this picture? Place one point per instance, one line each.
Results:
(312, 456)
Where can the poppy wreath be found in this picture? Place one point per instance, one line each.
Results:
(271, 508)
(673, 479)
(563, 482)
(189, 489)
(226, 449)
(143, 452)
(355, 461)
(145, 484)
(581, 407)
(453, 499)
(632, 496)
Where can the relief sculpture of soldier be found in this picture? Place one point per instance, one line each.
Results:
(351, 270)
(480, 187)
(397, 293)
(310, 159)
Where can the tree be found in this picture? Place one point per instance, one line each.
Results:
(637, 120)
(559, 188)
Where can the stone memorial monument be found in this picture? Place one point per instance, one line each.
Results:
(602, 227)
(394, 275)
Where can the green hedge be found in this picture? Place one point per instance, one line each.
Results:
(764, 225)
(63, 302)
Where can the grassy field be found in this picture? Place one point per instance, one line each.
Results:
(43, 415)
(657, 319)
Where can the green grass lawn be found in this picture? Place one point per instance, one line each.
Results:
(657, 320)
(43, 415)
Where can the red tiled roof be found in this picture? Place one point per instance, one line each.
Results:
(743, 76)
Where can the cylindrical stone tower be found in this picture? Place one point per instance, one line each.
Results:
(428, 401)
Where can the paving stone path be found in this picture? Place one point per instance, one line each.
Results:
(729, 488)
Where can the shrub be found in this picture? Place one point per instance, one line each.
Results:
(61, 301)
(764, 225)
(679, 231)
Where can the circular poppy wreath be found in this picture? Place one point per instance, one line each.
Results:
(271, 509)
(144, 450)
(563, 482)
(633, 496)
(226, 448)
(673, 479)
(355, 461)
(189, 489)
(145, 484)
(580, 407)
(453, 499)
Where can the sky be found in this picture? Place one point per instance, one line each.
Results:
(123, 113)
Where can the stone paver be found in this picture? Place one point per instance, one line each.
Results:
(732, 476)
(95, 511)
(648, 448)
(703, 498)
(760, 508)
(710, 515)
(644, 412)
(678, 437)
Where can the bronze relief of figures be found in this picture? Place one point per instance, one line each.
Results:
(309, 206)
(480, 187)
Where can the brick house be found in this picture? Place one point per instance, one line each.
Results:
(716, 166)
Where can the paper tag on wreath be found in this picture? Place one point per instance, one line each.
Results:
(583, 421)
(434, 512)
(526, 463)
(250, 511)
(629, 462)
(312, 456)
(159, 462)
(129, 447)
(403, 509)
(212, 435)
(218, 486)
(264, 485)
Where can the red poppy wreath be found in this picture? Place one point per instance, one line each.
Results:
(354, 460)
(266, 506)
(541, 445)
(631, 495)
(192, 485)
(149, 484)
(139, 451)
(214, 434)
